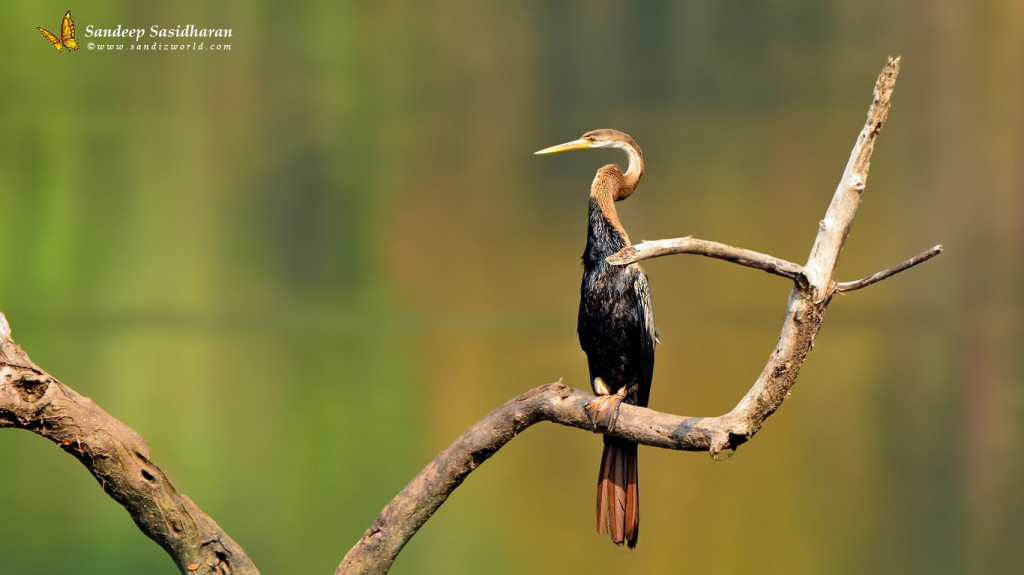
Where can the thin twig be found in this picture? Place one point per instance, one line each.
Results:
(711, 249)
(875, 278)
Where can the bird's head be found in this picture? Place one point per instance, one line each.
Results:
(608, 138)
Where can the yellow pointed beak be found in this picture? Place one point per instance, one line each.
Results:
(573, 145)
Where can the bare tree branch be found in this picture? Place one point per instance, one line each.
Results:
(554, 402)
(119, 458)
(877, 277)
(691, 245)
(805, 311)
(835, 227)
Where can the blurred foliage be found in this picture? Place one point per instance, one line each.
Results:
(301, 267)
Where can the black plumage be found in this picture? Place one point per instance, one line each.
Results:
(615, 324)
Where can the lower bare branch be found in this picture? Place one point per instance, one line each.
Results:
(717, 250)
(554, 402)
(875, 278)
(119, 458)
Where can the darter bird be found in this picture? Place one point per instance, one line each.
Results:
(616, 331)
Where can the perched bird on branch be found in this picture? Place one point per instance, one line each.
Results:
(616, 330)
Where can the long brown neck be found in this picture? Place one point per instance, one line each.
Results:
(608, 187)
(611, 185)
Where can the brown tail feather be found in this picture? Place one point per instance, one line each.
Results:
(618, 500)
(603, 486)
(632, 497)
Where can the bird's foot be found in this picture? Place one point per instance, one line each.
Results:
(604, 411)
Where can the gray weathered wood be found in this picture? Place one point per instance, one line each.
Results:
(717, 250)
(120, 461)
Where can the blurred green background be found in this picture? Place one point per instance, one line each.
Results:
(300, 268)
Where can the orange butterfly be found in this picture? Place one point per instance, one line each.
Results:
(67, 34)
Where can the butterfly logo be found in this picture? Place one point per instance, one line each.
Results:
(67, 34)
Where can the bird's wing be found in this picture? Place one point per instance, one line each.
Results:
(643, 293)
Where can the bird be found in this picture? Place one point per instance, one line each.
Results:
(616, 331)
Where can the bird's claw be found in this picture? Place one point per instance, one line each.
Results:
(603, 412)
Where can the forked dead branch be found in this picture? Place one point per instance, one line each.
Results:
(805, 311)
(119, 458)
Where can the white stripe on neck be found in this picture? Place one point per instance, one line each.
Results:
(634, 158)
